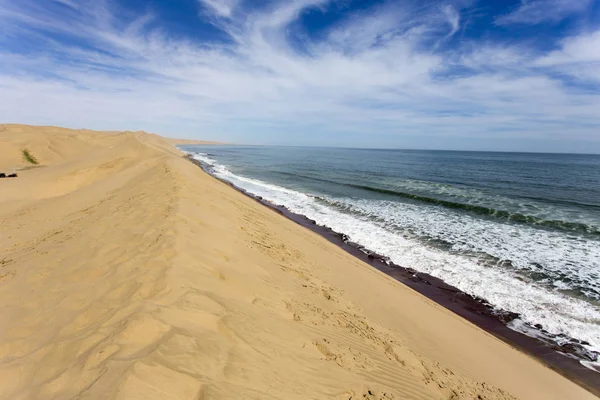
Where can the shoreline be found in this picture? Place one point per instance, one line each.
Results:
(125, 272)
(472, 309)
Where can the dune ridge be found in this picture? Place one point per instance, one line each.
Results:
(128, 273)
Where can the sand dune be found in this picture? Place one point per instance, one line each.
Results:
(128, 273)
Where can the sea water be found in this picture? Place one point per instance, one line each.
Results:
(520, 230)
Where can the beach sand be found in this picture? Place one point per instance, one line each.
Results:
(128, 273)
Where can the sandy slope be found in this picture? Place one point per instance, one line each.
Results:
(126, 272)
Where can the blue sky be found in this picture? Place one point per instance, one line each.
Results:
(519, 75)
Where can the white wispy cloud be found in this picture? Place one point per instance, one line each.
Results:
(578, 57)
(453, 18)
(537, 11)
(70, 3)
(374, 74)
(583, 48)
(221, 8)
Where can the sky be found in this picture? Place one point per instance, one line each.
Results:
(504, 75)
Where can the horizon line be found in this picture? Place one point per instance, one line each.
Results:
(389, 149)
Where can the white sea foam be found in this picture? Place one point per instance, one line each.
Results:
(203, 158)
(474, 196)
(396, 229)
(567, 262)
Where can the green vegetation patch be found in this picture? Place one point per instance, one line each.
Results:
(30, 158)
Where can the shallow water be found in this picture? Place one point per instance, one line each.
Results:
(521, 231)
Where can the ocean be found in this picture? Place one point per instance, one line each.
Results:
(519, 230)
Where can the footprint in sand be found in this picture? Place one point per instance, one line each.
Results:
(7, 275)
(368, 394)
(344, 356)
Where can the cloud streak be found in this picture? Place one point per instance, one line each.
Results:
(221, 8)
(374, 77)
(538, 11)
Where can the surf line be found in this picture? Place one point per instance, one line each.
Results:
(560, 358)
